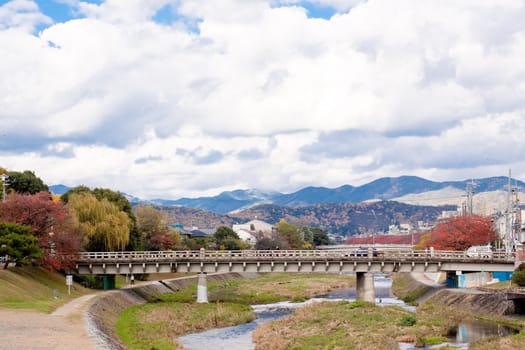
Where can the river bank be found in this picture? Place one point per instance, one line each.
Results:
(105, 311)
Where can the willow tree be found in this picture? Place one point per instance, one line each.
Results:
(104, 227)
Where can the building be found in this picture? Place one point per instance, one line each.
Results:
(253, 230)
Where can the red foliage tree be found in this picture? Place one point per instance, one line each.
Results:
(49, 221)
(462, 232)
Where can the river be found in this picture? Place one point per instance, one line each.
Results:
(240, 337)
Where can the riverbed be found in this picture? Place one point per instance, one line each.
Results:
(240, 337)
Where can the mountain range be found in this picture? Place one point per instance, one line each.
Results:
(387, 188)
(407, 189)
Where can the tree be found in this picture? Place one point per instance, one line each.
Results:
(518, 277)
(103, 226)
(226, 238)
(25, 182)
(17, 243)
(290, 233)
(48, 221)
(136, 238)
(170, 239)
(267, 243)
(462, 232)
(319, 237)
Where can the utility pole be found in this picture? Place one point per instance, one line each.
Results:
(508, 219)
(3, 177)
(470, 195)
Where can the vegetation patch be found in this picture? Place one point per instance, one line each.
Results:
(156, 325)
(408, 289)
(335, 325)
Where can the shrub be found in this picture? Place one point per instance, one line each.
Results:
(407, 321)
(518, 277)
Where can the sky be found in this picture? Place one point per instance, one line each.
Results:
(186, 98)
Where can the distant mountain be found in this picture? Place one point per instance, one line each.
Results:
(223, 203)
(59, 189)
(387, 188)
(409, 189)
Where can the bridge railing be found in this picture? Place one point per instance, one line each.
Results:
(343, 254)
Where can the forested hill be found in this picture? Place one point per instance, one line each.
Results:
(340, 218)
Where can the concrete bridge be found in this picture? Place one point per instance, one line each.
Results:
(364, 263)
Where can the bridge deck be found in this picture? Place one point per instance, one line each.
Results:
(288, 261)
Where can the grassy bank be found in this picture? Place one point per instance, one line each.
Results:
(140, 326)
(364, 326)
(407, 289)
(154, 326)
(34, 288)
(345, 325)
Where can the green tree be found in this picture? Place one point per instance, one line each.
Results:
(18, 244)
(319, 237)
(104, 227)
(226, 238)
(291, 234)
(25, 182)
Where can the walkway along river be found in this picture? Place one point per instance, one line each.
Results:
(240, 337)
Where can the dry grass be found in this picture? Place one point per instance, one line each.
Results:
(157, 325)
(330, 325)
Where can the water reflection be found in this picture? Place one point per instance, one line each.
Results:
(468, 332)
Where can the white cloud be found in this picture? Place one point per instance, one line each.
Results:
(21, 15)
(165, 110)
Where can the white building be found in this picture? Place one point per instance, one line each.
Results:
(253, 230)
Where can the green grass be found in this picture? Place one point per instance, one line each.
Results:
(33, 288)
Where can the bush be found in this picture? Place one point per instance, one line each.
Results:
(407, 321)
(518, 277)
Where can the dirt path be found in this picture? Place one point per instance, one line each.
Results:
(64, 329)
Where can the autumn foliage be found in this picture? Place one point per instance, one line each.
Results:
(462, 232)
(48, 221)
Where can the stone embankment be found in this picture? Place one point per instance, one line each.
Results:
(103, 313)
(475, 301)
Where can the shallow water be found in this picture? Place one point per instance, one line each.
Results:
(240, 337)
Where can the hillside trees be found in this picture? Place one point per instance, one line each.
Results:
(104, 227)
(46, 220)
(462, 232)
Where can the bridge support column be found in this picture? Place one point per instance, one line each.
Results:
(365, 287)
(202, 289)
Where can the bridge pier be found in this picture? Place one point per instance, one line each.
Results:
(365, 287)
(202, 288)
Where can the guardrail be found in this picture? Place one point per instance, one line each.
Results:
(230, 255)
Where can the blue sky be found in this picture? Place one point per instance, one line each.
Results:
(173, 98)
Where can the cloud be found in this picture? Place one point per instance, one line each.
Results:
(259, 93)
(22, 15)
